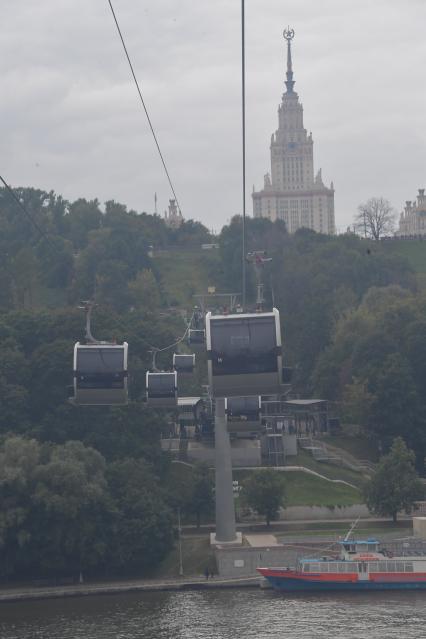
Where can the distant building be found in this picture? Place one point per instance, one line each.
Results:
(173, 217)
(413, 218)
(291, 192)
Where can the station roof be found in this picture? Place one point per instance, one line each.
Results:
(304, 402)
(189, 401)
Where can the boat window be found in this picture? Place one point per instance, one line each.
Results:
(306, 567)
(399, 566)
(408, 566)
(390, 566)
(373, 566)
(315, 568)
(324, 567)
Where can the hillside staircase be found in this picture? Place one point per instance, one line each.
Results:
(328, 454)
(275, 449)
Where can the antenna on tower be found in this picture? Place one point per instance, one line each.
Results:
(155, 203)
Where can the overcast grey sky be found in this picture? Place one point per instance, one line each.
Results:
(71, 120)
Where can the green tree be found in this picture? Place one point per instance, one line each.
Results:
(142, 528)
(190, 489)
(202, 500)
(144, 290)
(375, 218)
(394, 408)
(395, 485)
(357, 401)
(14, 415)
(71, 504)
(19, 461)
(264, 491)
(26, 269)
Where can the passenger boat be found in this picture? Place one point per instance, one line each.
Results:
(362, 565)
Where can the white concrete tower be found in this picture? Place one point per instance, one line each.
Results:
(290, 191)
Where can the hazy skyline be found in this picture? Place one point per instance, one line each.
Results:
(71, 120)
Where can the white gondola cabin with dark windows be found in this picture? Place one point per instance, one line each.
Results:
(196, 336)
(183, 362)
(243, 414)
(244, 354)
(100, 374)
(161, 389)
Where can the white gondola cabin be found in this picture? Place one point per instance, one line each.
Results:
(161, 389)
(244, 354)
(183, 362)
(100, 374)
(196, 336)
(243, 414)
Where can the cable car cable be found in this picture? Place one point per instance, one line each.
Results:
(160, 350)
(29, 216)
(143, 104)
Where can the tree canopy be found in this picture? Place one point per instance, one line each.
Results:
(375, 218)
(264, 491)
(395, 485)
(93, 480)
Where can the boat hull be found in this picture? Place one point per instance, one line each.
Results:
(289, 584)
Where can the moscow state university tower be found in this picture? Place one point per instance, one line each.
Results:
(291, 192)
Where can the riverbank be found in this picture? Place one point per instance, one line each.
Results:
(147, 585)
(197, 554)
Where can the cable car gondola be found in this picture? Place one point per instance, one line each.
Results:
(184, 363)
(100, 374)
(196, 336)
(243, 414)
(244, 354)
(161, 389)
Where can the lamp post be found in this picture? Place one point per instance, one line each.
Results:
(180, 544)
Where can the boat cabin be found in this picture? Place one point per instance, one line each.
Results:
(314, 566)
(351, 548)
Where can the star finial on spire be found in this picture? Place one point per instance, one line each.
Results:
(288, 35)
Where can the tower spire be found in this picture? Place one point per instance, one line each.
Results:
(289, 35)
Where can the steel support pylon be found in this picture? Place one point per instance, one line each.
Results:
(225, 507)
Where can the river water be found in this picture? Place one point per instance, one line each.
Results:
(219, 614)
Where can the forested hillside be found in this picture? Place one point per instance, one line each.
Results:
(88, 488)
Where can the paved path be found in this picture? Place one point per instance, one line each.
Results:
(261, 541)
(79, 590)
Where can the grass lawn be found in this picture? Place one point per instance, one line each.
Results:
(196, 555)
(413, 250)
(186, 274)
(308, 490)
(328, 470)
(360, 447)
(364, 529)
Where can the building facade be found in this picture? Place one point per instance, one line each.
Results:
(173, 217)
(413, 218)
(291, 192)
